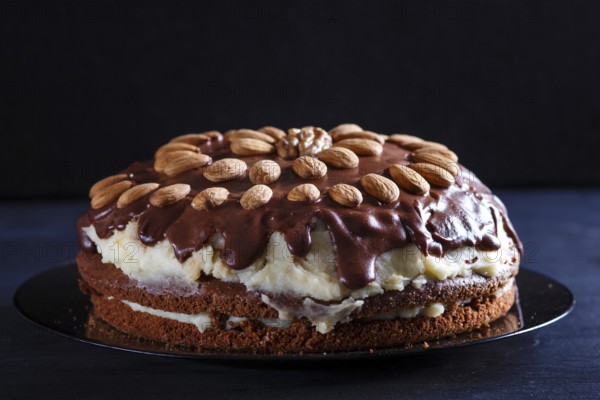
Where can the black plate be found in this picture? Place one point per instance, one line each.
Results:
(52, 300)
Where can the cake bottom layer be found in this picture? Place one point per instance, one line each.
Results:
(252, 336)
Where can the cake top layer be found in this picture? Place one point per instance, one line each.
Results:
(372, 192)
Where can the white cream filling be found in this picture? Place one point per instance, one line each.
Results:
(201, 320)
(323, 317)
(324, 324)
(433, 310)
(278, 271)
(270, 322)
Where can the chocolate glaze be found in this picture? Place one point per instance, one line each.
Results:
(465, 214)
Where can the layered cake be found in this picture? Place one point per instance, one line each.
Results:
(265, 241)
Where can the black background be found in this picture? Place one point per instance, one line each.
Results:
(88, 86)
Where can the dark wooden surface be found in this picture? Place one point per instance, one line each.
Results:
(561, 231)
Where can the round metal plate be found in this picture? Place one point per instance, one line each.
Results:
(52, 300)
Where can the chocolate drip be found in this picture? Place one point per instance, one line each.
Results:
(152, 223)
(465, 214)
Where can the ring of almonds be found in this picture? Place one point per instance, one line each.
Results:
(310, 149)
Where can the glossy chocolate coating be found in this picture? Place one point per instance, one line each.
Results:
(464, 214)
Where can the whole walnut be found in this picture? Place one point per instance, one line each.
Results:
(307, 141)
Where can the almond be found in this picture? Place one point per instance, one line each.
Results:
(345, 128)
(250, 134)
(345, 195)
(210, 198)
(225, 169)
(437, 159)
(425, 144)
(380, 187)
(309, 167)
(169, 194)
(186, 163)
(304, 192)
(135, 193)
(339, 157)
(433, 174)
(256, 196)
(442, 152)
(275, 133)
(264, 172)
(106, 182)
(196, 138)
(107, 195)
(361, 135)
(169, 147)
(165, 159)
(403, 140)
(362, 147)
(190, 138)
(409, 179)
(251, 147)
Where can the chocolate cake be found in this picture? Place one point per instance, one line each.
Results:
(264, 241)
